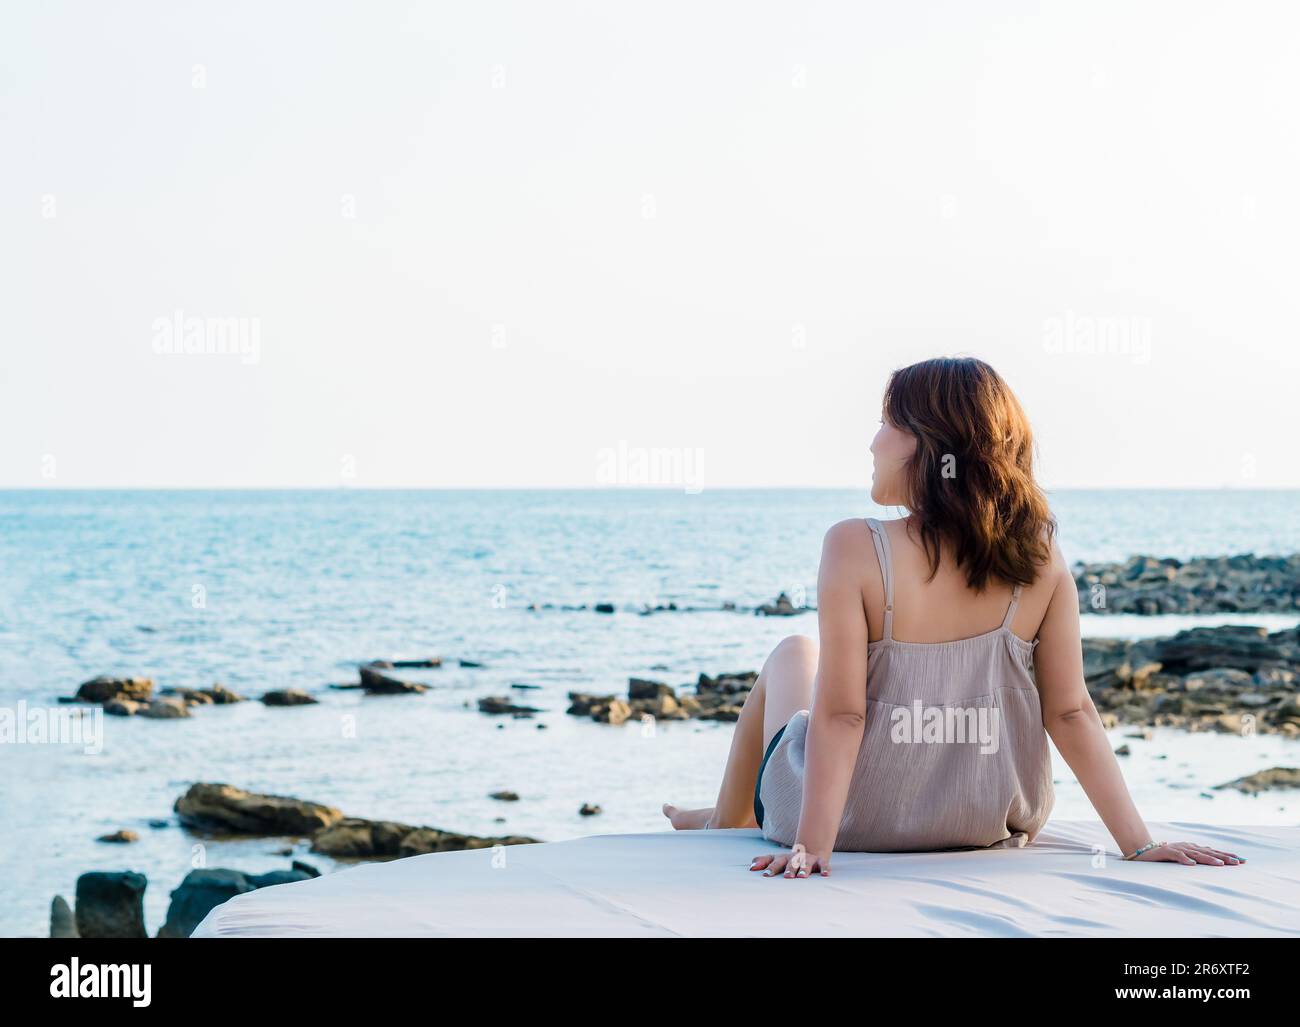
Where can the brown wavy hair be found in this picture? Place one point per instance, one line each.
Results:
(971, 481)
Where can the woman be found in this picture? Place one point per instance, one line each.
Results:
(921, 722)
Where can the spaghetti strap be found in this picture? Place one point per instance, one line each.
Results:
(881, 542)
(1011, 608)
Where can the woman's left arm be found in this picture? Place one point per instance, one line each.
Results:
(838, 716)
(1072, 721)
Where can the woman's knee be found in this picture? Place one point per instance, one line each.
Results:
(795, 647)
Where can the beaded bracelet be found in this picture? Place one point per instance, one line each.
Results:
(1146, 848)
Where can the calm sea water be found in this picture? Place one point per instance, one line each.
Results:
(262, 590)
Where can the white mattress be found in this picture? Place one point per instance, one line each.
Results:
(697, 883)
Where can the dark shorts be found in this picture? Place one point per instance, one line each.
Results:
(758, 784)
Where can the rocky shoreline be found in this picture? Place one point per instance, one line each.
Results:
(1146, 585)
(1232, 678)
(111, 904)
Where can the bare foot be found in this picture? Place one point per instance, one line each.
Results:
(687, 819)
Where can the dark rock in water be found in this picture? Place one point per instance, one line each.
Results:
(582, 703)
(123, 707)
(203, 890)
(158, 825)
(781, 606)
(102, 689)
(200, 893)
(279, 877)
(305, 868)
(381, 684)
(222, 808)
(470, 664)
(190, 696)
(289, 697)
(122, 837)
(497, 704)
(505, 796)
(1242, 647)
(165, 709)
(1274, 777)
(110, 905)
(604, 607)
(431, 661)
(589, 810)
(639, 688)
(1223, 584)
(221, 695)
(62, 923)
(355, 838)
(525, 688)
(715, 699)
(736, 683)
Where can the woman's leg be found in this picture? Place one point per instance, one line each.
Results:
(784, 687)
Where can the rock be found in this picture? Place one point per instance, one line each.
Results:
(615, 711)
(225, 809)
(1219, 679)
(1274, 777)
(726, 684)
(525, 688)
(221, 695)
(582, 703)
(158, 825)
(1229, 646)
(1235, 584)
(190, 696)
(470, 664)
(203, 890)
(305, 868)
(62, 923)
(781, 606)
(430, 661)
(588, 810)
(274, 877)
(639, 688)
(497, 704)
(355, 838)
(381, 684)
(1275, 677)
(1123, 750)
(165, 709)
(289, 697)
(663, 707)
(197, 895)
(604, 607)
(122, 837)
(123, 707)
(102, 689)
(110, 905)
(505, 796)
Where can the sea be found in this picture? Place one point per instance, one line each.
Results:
(263, 590)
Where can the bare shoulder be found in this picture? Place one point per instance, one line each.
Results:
(846, 539)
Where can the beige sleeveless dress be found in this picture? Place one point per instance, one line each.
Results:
(954, 754)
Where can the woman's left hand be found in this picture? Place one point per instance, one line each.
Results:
(799, 862)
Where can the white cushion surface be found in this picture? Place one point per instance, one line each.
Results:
(697, 883)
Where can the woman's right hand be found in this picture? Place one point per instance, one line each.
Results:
(1189, 854)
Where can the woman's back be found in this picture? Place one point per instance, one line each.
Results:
(953, 753)
(945, 608)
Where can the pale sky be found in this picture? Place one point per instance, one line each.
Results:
(482, 244)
